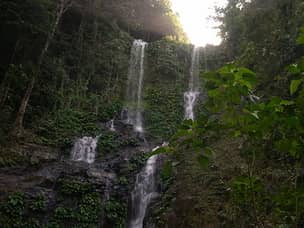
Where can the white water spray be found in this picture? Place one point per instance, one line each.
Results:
(145, 190)
(111, 125)
(190, 97)
(84, 149)
(135, 84)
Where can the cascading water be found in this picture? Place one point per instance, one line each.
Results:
(84, 149)
(111, 125)
(190, 97)
(135, 84)
(145, 190)
(205, 52)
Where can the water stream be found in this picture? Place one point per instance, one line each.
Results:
(144, 191)
(84, 149)
(135, 84)
(111, 125)
(190, 97)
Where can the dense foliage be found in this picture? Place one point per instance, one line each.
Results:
(270, 132)
(82, 208)
(261, 35)
(80, 60)
(63, 72)
(248, 139)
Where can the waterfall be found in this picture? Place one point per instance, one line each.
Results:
(205, 59)
(190, 97)
(111, 125)
(145, 190)
(134, 86)
(84, 149)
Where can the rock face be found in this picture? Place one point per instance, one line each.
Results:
(40, 154)
(67, 186)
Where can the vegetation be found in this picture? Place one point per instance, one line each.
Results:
(270, 135)
(116, 213)
(239, 164)
(80, 63)
(247, 140)
(110, 142)
(166, 82)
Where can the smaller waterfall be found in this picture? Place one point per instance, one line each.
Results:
(205, 52)
(111, 125)
(163, 145)
(145, 190)
(84, 149)
(135, 84)
(190, 97)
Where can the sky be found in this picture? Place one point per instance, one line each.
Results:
(195, 19)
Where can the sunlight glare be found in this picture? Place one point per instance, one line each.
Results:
(195, 19)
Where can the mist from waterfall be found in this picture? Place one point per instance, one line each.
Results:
(134, 105)
(190, 97)
(84, 149)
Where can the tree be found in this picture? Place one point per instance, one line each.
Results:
(62, 7)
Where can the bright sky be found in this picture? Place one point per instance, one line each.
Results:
(195, 19)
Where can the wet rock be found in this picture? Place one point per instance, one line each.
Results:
(37, 153)
(101, 174)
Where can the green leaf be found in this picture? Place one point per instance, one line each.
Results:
(255, 114)
(294, 86)
(229, 68)
(293, 69)
(214, 93)
(300, 39)
(208, 151)
(247, 72)
(291, 146)
(237, 133)
(197, 144)
(203, 161)
(287, 103)
(161, 150)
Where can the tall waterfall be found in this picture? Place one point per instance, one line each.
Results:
(190, 97)
(144, 191)
(135, 84)
(84, 149)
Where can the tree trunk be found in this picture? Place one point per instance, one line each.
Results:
(4, 93)
(18, 125)
(79, 64)
(5, 85)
